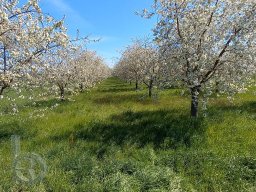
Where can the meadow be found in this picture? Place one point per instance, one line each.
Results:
(113, 138)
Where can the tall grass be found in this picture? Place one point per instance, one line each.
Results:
(110, 139)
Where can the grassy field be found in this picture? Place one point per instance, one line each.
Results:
(114, 139)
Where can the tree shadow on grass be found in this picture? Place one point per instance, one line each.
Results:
(9, 129)
(120, 85)
(162, 128)
(46, 103)
(119, 89)
(248, 107)
(117, 99)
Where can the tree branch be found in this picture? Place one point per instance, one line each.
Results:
(212, 71)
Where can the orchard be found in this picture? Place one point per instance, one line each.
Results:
(139, 96)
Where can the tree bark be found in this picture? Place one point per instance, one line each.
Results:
(5, 60)
(150, 88)
(2, 90)
(81, 87)
(150, 92)
(217, 87)
(136, 85)
(4, 86)
(62, 94)
(194, 101)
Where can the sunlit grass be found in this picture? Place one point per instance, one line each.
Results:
(111, 139)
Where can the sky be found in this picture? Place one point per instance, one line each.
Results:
(114, 22)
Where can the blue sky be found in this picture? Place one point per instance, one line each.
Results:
(114, 21)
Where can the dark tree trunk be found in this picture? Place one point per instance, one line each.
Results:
(150, 92)
(130, 82)
(194, 101)
(62, 94)
(81, 87)
(150, 88)
(2, 90)
(217, 87)
(136, 85)
(5, 60)
(4, 86)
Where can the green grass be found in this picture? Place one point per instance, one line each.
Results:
(110, 139)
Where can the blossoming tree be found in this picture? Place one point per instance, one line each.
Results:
(141, 62)
(206, 42)
(25, 35)
(90, 69)
(72, 69)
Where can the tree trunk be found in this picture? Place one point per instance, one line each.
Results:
(150, 88)
(4, 86)
(5, 60)
(194, 101)
(217, 87)
(5, 68)
(81, 87)
(62, 94)
(150, 92)
(136, 85)
(2, 90)
(130, 82)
